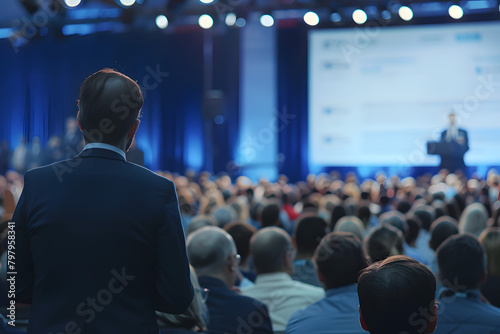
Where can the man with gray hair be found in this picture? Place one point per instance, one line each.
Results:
(271, 249)
(212, 253)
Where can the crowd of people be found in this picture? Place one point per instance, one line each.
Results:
(281, 257)
(106, 246)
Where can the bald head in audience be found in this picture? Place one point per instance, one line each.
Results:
(271, 250)
(212, 252)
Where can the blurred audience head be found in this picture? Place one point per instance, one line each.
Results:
(224, 215)
(271, 215)
(339, 258)
(200, 221)
(241, 233)
(474, 219)
(396, 296)
(383, 241)
(351, 224)
(461, 262)
(443, 228)
(271, 250)
(308, 232)
(490, 239)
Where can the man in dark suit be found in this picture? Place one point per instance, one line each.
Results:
(99, 240)
(453, 160)
(212, 253)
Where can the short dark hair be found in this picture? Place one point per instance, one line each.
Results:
(271, 215)
(383, 241)
(461, 262)
(109, 104)
(414, 226)
(393, 292)
(241, 233)
(339, 258)
(442, 228)
(308, 233)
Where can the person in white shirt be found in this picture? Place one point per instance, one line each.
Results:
(271, 250)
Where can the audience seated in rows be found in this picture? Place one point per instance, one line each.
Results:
(212, 252)
(271, 250)
(339, 258)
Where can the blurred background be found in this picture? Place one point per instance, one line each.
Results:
(258, 87)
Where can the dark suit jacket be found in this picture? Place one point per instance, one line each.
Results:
(231, 313)
(99, 247)
(454, 159)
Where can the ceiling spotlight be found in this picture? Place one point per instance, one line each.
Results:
(456, 12)
(311, 18)
(205, 21)
(267, 20)
(335, 17)
(72, 3)
(161, 21)
(206, 1)
(405, 13)
(127, 3)
(359, 16)
(230, 19)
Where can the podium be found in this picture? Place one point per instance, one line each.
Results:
(451, 153)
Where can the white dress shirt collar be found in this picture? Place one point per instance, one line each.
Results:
(105, 147)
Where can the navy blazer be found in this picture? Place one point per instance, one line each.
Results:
(231, 313)
(99, 246)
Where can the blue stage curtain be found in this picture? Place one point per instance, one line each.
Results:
(292, 101)
(40, 84)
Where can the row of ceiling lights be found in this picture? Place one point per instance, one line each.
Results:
(359, 16)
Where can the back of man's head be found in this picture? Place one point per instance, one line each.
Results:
(397, 296)
(442, 228)
(109, 104)
(271, 215)
(461, 262)
(208, 250)
(384, 241)
(241, 233)
(308, 233)
(339, 258)
(271, 251)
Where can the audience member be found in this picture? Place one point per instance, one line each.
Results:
(490, 239)
(271, 216)
(199, 222)
(443, 228)
(242, 233)
(474, 219)
(308, 233)
(462, 271)
(271, 250)
(351, 224)
(383, 241)
(397, 295)
(212, 253)
(339, 259)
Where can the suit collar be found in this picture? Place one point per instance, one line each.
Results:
(100, 153)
